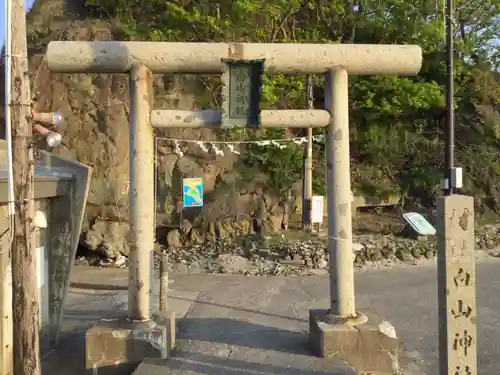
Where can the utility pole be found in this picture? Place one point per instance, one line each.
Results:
(307, 188)
(450, 92)
(25, 304)
(455, 244)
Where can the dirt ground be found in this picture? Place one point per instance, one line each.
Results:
(366, 221)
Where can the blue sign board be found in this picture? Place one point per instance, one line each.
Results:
(192, 189)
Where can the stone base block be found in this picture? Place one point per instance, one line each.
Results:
(115, 347)
(371, 348)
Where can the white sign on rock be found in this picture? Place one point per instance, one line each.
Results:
(419, 224)
(317, 213)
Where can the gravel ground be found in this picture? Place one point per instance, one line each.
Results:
(280, 255)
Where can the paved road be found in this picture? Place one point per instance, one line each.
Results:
(95, 294)
(258, 325)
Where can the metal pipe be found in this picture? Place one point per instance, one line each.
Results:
(8, 99)
(339, 196)
(53, 118)
(6, 333)
(307, 188)
(205, 58)
(450, 117)
(53, 139)
(163, 283)
(294, 118)
(308, 225)
(142, 200)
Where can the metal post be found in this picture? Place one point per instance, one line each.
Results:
(307, 199)
(164, 283)
(142, 198)
(338, 185)
(6, 329)
(450, 118)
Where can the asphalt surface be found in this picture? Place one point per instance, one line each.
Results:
(258, 325)
(95, 294)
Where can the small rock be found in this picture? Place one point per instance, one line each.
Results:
(376, 255)
(429, 254)
(264, 253)
(273, 223)
(357, 247)
(174, 239)
(490, 244)
(322, 263)
(82, 261)
(120, 261)
(105, 262)
(232, 263)
(195, 237)
(186, 226)
(114, 241)
(416, 252)
(403, 255)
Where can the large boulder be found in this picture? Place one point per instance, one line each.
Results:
(108, 238)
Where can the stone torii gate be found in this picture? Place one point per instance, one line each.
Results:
(370, 349)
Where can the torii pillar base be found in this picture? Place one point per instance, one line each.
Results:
(116, 347)
(370, 345)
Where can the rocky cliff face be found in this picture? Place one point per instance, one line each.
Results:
(95, 108)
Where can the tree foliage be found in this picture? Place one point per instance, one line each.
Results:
(397, 122)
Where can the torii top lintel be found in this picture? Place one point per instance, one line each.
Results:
(205, 58)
